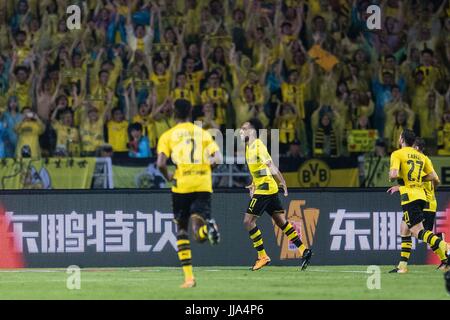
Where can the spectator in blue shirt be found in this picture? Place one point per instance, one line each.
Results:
(11, 118)
(139, 145)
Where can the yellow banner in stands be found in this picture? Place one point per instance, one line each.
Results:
(53, 173)
(362, 140)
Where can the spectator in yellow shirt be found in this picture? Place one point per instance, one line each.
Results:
(28, 132)
(161, 78)
(182, 90)
(20, 84)
(143, 114)
(430, 116)
(403, 119)
(118, 131)
(91, 130)
(326, 124)
(286, 120)
(67, 135)
(217, 95)
(163, 116)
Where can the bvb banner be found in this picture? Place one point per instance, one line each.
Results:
(52, 173)
(376, 171)
(325, 172)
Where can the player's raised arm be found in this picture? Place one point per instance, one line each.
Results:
(277, 174)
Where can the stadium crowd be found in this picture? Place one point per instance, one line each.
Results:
(311, 69)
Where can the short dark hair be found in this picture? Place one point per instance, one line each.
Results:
(115, 109)
(136, 126)
(180, 74)
(429, 51)
(21, 68)
(409, 137)
(103, 71)
(256, 124)
(420, 144)
(390, 56)
(182, 109)
(21, 32)
(66, 110)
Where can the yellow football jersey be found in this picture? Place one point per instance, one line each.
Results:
(429, 192)
(257, 156)
(161, 83)
(294, 94)
(118, 135)
(186, 94)
(412, 166)
(190, 147)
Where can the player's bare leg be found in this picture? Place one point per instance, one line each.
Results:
(256, 236)
(184, 254)
(291, 233)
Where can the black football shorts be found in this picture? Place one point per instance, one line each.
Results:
(261, 203)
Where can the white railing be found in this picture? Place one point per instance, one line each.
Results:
(103, 174)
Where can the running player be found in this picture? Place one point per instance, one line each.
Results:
(429, 219)
(193, 151)
(264, 195)
(411, 168)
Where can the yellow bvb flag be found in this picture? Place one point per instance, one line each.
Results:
(52, 173)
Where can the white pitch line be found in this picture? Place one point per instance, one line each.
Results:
(334, 271)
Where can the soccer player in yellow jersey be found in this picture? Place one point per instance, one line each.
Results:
(264, 195)
(411, 169)
(193, 151)
(429, 217)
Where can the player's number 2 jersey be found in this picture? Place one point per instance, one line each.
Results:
(190, 148)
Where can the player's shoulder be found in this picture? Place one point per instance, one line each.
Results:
(166, 134)
(396, 153)
(259, 143)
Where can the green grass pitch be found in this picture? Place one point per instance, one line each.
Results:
(318, 282)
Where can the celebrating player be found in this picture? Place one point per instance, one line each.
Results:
(429, 218)
(411, 168)
(193, 151)
(264, 195)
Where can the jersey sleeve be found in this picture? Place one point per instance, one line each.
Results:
(395, 161)
(164, 145)
(428, 167)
